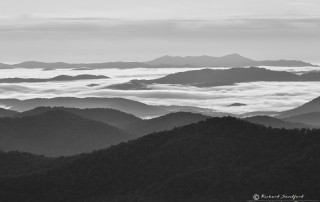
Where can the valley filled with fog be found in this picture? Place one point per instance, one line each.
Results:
(256, 96)
(159, 101)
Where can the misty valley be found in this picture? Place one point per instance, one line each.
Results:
(191, 129)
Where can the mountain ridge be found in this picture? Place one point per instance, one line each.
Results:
(225, 159)
(224, 61)
(309, 107)
(125, 105)
(219, 77)
(165, 62)
(277, 123)
(312, 118)
(162, 123)
(58, 133)
(56, 78)
(7, 112)
(110, 116)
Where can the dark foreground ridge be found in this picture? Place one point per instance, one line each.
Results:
(219, 159)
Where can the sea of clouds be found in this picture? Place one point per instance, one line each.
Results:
(258, 96)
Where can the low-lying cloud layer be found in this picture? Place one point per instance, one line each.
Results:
(258, 96)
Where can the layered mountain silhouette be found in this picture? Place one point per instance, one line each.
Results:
(56, 133)
(309, 107)
(259, 113)
(218, 77)
(128, 106)
(276, 123)
(129, 122)
(5, 66)
(196, 110)
(9, 102)
(312, 118)
(225, 159)
(86, 66)
(225, 61)
(45, 65)
(109, 116)
(202, 61)
(166, 122)
(164, 62)
(62, 65)
(7, 113)
(57, 78)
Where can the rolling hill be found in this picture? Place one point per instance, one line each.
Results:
(225, 159)
(220, 77)
(276, 123)
(128, 106)
(57, 133)
(105, 65)
(195, 110)
(7, 113)
(309, 107)
(312, 118)
(17, 163)
(225, 75)
(57, 78)
(259, 113)
(109, 116)
(166, 122)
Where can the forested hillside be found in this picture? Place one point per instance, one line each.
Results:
(110, 116)
(17, 163)
(7, 112)
(219, 159)
(166, 122)
(276, 123)
(312, 118)
(56, 133)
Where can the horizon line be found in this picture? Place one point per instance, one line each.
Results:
(95, 62)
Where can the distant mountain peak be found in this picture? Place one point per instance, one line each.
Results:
(233, 55)
(230, 60)
(166, 56)
(236, 56)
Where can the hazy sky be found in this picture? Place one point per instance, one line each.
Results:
(141, 30)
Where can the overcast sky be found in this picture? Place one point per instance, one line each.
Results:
(141, 30)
